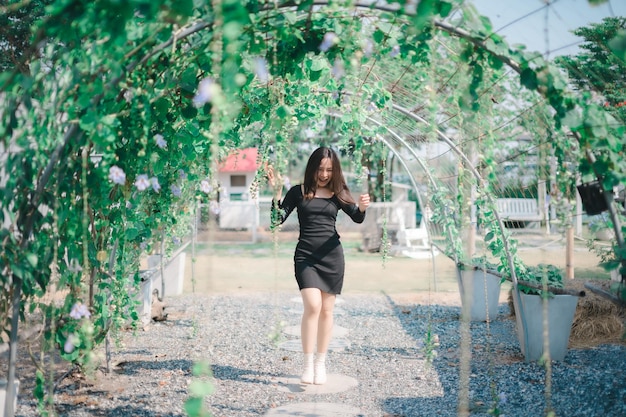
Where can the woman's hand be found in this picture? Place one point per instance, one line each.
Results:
(274, 179)
(364, 202)
(271, 178)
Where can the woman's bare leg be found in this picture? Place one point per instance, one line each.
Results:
(312, 301)
(324, 333)
(325, 322)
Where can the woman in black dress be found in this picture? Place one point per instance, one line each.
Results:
(318, 259)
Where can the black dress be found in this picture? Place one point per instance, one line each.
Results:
(318, 259)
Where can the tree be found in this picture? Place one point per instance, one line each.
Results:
(598, 69)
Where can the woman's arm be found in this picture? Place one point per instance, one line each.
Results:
(282, 209)
(357, 211)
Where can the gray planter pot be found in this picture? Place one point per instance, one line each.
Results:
(530, 329)
(605, 234)
(174, 273)
(480, 294)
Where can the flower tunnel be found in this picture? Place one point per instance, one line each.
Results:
(116, 120)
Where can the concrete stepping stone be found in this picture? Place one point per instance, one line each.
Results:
(338, 331)
(335, 383)
(295, 345)
(315, 410)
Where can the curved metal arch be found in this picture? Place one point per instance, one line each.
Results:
(411, 178)
(384, 6)
(476, 175)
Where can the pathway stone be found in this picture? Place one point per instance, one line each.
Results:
(315, 410)
(295, 345)
(335, 383)
(338, 331)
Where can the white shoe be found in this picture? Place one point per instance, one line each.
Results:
(320, 369)
(308, 375)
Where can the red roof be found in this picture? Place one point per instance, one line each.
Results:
(243, 160)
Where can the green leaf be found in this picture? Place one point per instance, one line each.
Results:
(528, 78)
(32, 259)
(183, 7)
(317, 64)
(290, 17)
(445, 7)
(199, 388)
(572, 119)
(88, 121)
(161, 108)
(131, 233)
(189, 112)
(194, 407)
(378, 36)
(284, 112)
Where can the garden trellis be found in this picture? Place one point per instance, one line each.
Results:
(112, 133)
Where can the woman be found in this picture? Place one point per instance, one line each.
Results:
(318, 259)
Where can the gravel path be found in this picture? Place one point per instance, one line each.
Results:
(241, 337)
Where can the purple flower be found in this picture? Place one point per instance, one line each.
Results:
(142, 182)
(395, 51)
(154, 182)
(205, 92)
(182, 174)
(260, 69)
(160, 142)
(339, 70)
(502, 398)
(176, 191)
(330, 39)
(117, 175)
(74, 266)
(79, 310)
(205, 187)
(143, 245)
(214, 206)
(70, 343)
(176, 240)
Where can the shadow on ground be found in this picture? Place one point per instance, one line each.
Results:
(589, 382)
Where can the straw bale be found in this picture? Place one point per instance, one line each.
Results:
(597, 320)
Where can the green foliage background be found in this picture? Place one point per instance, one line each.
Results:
(91, 84)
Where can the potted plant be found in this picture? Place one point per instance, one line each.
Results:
(536, 302)
(601, 227)
(592, 196)
(480, 289)
(478, 285)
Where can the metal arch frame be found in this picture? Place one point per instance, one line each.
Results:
(476, 175)
(411, 178)
(481, 181)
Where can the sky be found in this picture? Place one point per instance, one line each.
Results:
(545, 29)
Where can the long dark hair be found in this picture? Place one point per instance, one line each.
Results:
(337, 182)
